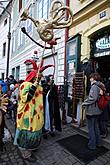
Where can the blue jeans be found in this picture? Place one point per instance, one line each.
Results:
(93, 131)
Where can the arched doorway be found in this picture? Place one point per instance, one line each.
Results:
(100, 52)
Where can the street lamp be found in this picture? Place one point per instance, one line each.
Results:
(9, 39)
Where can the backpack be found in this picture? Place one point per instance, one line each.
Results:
(103, 102)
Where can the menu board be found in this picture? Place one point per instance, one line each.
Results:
(73, 53)
(78, 85)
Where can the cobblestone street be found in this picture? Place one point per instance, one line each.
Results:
(49, 152)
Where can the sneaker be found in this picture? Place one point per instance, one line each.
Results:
(31, 159)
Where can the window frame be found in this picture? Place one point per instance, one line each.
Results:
(5, 22)
(4, 49)
(43, 14)
(13, 42)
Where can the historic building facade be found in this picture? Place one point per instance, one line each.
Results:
(88, 47)
(91, 19)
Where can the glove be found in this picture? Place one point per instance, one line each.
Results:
(3, 102)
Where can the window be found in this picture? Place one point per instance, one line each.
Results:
(29, 22)
(20, 38)
(13, 42)
(40, 9)
(20, 5)
(43, 8)
(17, 72)
(5, 22)
(4, 49)
(3, 76)
(25, 2)
(13, 72)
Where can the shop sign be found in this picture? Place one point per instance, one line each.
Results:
(103, 43)
(102, 54)
(102, 47)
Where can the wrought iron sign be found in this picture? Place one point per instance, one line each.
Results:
(56, 20)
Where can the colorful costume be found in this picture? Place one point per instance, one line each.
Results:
(30, 117)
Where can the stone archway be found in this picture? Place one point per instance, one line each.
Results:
(87, 35)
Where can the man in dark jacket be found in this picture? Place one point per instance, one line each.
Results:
(11, 80)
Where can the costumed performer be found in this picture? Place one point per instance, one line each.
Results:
(30, 117)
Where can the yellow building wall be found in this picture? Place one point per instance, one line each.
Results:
(77, 5)
(86, 21)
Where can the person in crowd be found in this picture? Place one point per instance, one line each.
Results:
(104, 116)
(3, 108)
(51, 107)
(6, 80)
(4, 86)
(30, 114)
(10, 104)
(11, 80)
(14, 102)
(93, 112)
(29, 117)
(17, 88)
(14, 99)
(107, 86)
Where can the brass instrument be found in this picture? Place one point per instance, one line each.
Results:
(56, 20)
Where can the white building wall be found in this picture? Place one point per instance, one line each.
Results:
(27, 53)
(4, 29)
(3, 39)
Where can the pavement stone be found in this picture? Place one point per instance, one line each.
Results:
(48, 153)
(97, 162)
(102, 159)
(77, 163)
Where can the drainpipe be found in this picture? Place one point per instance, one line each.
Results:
(66, 38)
(9, 40)
(64, 114)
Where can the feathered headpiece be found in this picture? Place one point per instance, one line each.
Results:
(35, 69)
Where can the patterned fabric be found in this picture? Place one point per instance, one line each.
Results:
(30, 114)
(27, 139)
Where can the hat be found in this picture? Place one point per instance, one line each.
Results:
(33, 73)
(12, 86)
